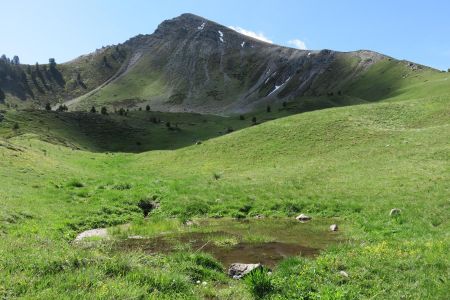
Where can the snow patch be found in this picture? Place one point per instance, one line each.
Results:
(243, 44)
(277, 87)
(268, 78)
(221, 36)
(201, 27)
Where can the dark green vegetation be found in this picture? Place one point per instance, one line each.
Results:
(36, 85)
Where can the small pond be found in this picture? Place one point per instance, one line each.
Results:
(265, 241)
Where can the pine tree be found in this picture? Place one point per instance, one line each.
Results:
(93, 110)
(52, 63)
(104, 111)
(269, 109)
(2, 95)
(16, 60)
(147, 108)
(48, 107)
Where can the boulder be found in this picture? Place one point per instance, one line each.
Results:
(343, 274)
(334, 227)
(395, 212)
(303, 218)
(239, 270)
(99, 232)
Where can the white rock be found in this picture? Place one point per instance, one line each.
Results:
(343, 274)
(303, 218)
(239, 270)
(395, 212)
(99, 232)
(334, 227)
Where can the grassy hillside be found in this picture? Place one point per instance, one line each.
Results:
(133, 131)
(350, 164)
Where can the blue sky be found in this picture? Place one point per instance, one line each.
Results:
(414, 30)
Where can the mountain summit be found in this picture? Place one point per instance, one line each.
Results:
(193, 64)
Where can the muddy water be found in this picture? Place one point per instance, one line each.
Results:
(253, 241)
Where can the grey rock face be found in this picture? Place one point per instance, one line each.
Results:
(206, 67)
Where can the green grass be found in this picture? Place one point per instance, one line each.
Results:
(352, 164)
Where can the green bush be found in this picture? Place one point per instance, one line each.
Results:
(122, 186)
(147, 205)
(217, 175)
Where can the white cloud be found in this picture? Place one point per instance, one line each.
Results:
(298, 44)
(259, 36)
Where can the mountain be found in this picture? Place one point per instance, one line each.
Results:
(191, 64)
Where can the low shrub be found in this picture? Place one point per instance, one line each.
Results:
(259, 283)
(75, 183)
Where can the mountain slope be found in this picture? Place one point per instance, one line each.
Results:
(196, 65)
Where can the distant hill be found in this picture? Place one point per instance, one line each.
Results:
(192, 64)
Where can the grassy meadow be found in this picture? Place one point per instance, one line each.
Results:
(351, 165)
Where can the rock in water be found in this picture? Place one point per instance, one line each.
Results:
(395, 212)
(334, 227)
(303, 218)
(239, 270)
(99, 232)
